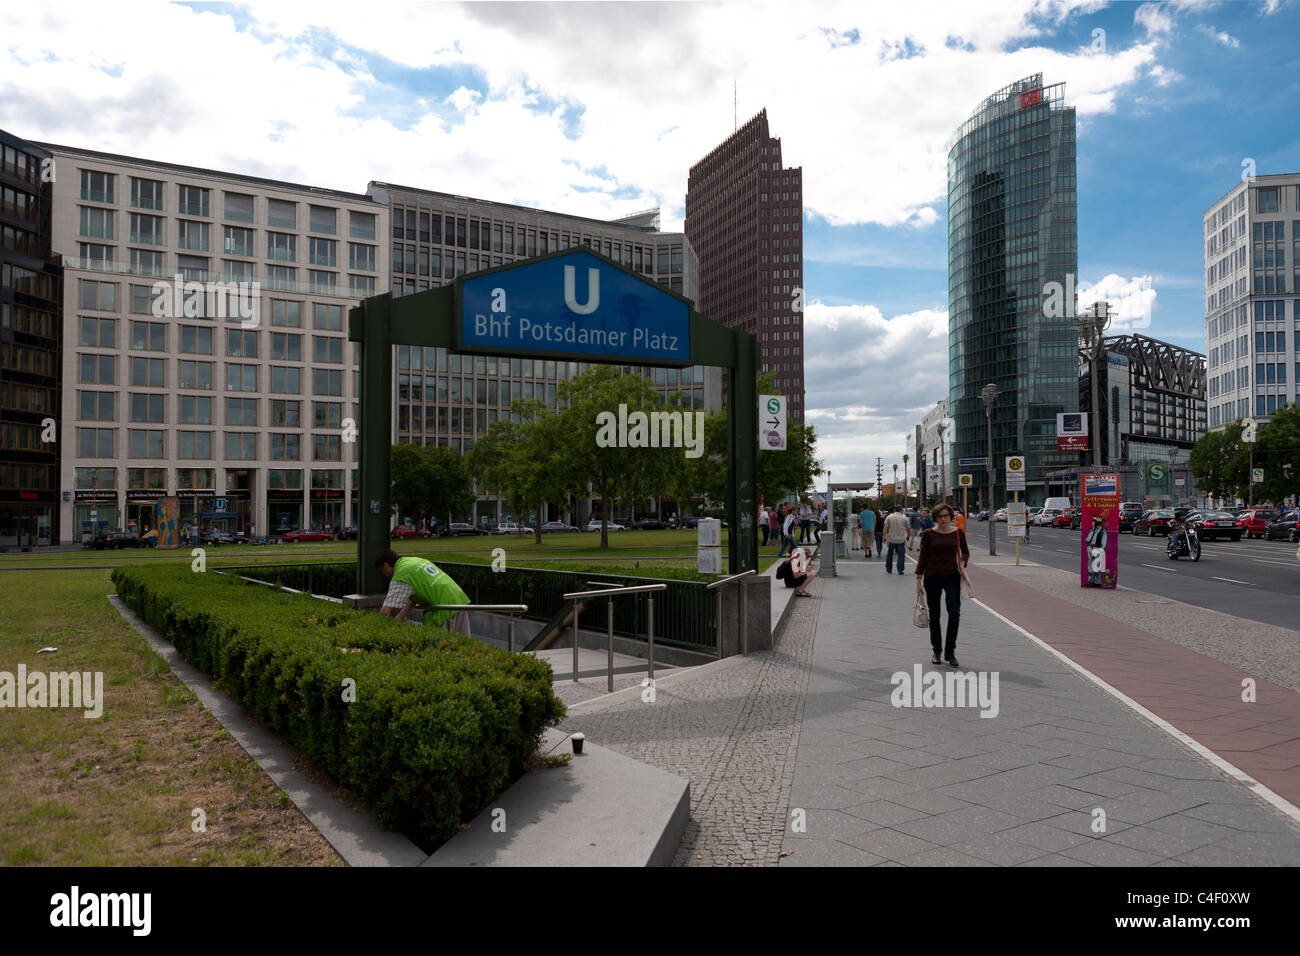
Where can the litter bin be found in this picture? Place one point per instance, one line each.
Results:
(828, 551)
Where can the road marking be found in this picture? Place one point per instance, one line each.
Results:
(1234, 581)
(1261, 791)
(1158, 567)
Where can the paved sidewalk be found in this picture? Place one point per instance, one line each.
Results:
(879, 784)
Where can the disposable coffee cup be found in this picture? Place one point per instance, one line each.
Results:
(577, 742)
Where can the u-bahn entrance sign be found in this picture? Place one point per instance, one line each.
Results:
(575, 305)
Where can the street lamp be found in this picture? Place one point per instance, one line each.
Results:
(1092, 326)
(990, 395)
(895, 501)
(943, 464)
(904, 480)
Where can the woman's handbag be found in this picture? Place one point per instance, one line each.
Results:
(921, 613)
(967, 589)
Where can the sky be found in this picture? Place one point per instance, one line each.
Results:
(600, 109)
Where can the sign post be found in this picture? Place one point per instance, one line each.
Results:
(1016, 484)
(966, 481)
(771, 423)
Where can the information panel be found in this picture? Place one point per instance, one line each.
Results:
(1099, 532)
(577, 306)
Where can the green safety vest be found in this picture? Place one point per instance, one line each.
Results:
(432, 585)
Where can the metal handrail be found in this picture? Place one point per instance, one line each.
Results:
(744, 616)
(510, 628)
(610, 592)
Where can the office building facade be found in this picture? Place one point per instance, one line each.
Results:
(744, 216)
(1252, 299)
(1012, 271)
(206, 351)
(31, 293)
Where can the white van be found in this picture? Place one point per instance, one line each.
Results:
(1062, 503)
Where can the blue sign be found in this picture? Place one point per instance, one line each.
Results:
(971, 462)
(574, 305)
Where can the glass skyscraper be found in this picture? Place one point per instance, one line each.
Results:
(1012, 234)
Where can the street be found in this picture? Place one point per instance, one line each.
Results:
(1254, 579)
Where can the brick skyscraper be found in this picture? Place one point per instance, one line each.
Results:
(744, 218)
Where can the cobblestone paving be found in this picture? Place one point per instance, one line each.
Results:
(733, 732)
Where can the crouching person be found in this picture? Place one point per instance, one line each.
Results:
(416, 580)
(794, 572)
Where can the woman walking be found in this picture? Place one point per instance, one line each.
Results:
(939, 567)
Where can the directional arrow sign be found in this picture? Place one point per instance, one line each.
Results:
(772, 423)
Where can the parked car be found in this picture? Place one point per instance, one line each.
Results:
(512, 528)
(1211, 525)
(1153, 523)
(1288, 526)
(1045, 517)
(306, 535)
(1000, 515)
(1255, 522)
(1129, 512)
(1065, 519)
(405, 531)
(116, 540)
(347, 534)
(651, 524)
(594, 525)
(984, 515)
(459, 528)
(1032, 514)
(213, 537)
(558, 527)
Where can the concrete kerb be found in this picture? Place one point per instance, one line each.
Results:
(354, 834)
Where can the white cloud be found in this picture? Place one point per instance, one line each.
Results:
(1163, 76)
(1220, 37)
(871, 379)
(1132, 300)
(651, 83)
(1155, 18)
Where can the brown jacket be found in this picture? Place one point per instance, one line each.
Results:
(938, 555)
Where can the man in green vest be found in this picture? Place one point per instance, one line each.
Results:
(415, 580)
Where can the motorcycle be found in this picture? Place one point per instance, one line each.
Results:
(1186, 545)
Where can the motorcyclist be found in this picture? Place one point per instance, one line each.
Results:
(1178, 527)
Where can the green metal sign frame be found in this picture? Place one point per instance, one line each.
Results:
(432, 319)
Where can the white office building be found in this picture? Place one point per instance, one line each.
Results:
(1252, 299)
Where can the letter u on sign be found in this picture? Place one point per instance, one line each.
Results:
(593, 291)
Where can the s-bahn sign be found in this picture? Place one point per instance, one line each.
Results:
(574, 306)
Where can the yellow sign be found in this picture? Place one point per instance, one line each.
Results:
(966, 480)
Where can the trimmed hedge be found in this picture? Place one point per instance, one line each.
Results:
(440, 723)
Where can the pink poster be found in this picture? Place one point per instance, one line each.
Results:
(1099, 532)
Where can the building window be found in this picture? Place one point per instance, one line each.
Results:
(285, 313)
(324, 219)
(286, 346)
(97, 406)
(328, 317)
(327, 349)
(241, 343)
(327, 448)
(144, 443)
(148, 372)
(99, 295)
(320, 283)
(1266, 199)
(192, 201)
(282, 214)
(149, 336)
(241, 446)
(146, 408)
(284, 447)
(146, 229)
(196, 409)
(327, 382)
(96, 223)
(98, 333)
(282, 246)
(281, 278)
(241, 378)
(239, 208)
(239, 242)
(95, 442)
(96, 257)
(327, 414)
(362, 257)
(286, 379)
(322, 252)
(361, 225)
(196, 375)
(145, 262)
(361, 287)
(98, 370)
(97, 187)
(195, 445)
(192, 235)
(286, 414)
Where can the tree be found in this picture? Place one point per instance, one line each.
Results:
(583, 434)
(1220, 462)
(516, 459)
(1277, 451)
(428, 481)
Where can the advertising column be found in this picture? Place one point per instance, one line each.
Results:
(1099, 532)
